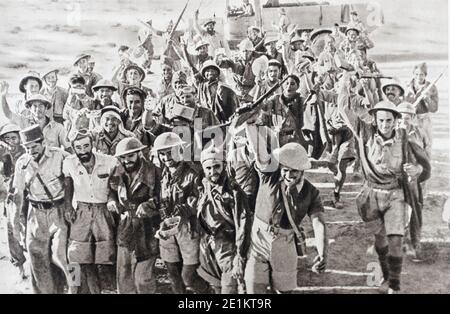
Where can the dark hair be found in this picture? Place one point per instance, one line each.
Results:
(135, 92)
(77, 79)
(295, 78)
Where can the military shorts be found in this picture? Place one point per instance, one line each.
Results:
(91, 239)
(395, 212)
(184, 246)
(272, 258)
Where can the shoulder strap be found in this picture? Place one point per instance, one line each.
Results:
(218, 208)
(287, 207)
(46, 190)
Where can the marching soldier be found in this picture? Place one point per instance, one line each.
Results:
(91, 236)
(389, 161)
(274, 69)
(104, 91)
(165, 84)
(134, 75)
(135, 185)
(29, 85)
(429, 104)
(353, 38)
(124, 57)
(179, 196)
(55, 94)
(10, 151)
(38, 173)
(209, 35)
(224, 220)
(284, 198)
(393, 91)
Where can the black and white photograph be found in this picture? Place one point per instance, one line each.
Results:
(235, 147)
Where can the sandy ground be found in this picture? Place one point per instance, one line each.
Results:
(45, 34)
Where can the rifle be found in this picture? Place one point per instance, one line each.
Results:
(174, 28)
(422, 94)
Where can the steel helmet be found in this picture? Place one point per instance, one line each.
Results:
(293, 155)
(385, 105)
(167, 140)
(393, 82)
(406, 107)
(128, 145)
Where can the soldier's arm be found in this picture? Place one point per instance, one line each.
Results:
(264, 160)
(316, 214)
(431, 99)
(241, 217)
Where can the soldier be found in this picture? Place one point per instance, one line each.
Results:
(145, 38)
(214, 95)
(124, 57)
(296, 44)
(179, 195)
(165, 84)
(135, 185)
(408, 121)
(29, 85)
(224, 220)
(112, 131)
(197, 61)
(283, 200)
(55, 94)
(353, 38)
(209, 35)
(91, 236)
(90, 78)
(389, 161)
(38, 173)
(254, 35)
(429, 104)
(393, 91)
(284, 113)
(104, 91)
(10, 151)
(134, 75)
(326, 66)
(274, 69)
(243, 66)
(272, 53)
(37, 113)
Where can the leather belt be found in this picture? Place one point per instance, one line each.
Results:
(46, 205)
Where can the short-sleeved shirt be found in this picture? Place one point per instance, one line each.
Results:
(90, 187)
(270, 205)
(50, 169)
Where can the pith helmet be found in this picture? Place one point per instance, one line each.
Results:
(167, 140)
(128, 145)
(294, 156)
(40, 98)
(393, 82)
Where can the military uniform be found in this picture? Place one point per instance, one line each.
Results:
(103, 144)
(46, 237)
(286, 116)
(137, 245)
(58, 98)
(224, 221)
(91, 237)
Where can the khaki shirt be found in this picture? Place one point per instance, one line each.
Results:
(90, 187)
(50, 169)
(107, 146)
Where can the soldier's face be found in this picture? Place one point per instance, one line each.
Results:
(271, 49)
(211, 74)
(38, 109)
(298, 45)
(134, 105)
(12, 139)
(167, 73)
(130, 161)
(51, 79)
(273, 73)
(104, 94)
(34, 149)
(213, 170)
(133, 76)
(111, 124)
(385, 122)
(32, 87)
(290, 87)
(406, 120)
(83, 149)
(393, 92)
(202, 50)
(252, 34)
(170, 157)
(419, 76)
(352, 35)
(187, 99)
(178, 87)
(210, 28)
(83, 65)
(291, 176)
